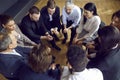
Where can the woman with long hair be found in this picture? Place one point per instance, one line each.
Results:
(89, 24)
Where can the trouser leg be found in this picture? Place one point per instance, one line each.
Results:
(73, 32)
(54, 45)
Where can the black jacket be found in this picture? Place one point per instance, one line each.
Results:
(32, 29)
(109, 64)
(56, 18)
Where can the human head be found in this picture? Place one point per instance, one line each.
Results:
(34, 13)
(40, 58)
(7, 41)
(77, 58)
(69, 6)
(115, 20)
(51, 6)
(109, 37)
(7, 22)
(90, 10)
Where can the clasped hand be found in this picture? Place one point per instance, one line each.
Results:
(54, 30)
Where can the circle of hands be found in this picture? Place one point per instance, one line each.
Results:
(53, 31)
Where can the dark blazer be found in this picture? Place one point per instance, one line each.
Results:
(10, 64)
(26, 73)
(56, 18)
(109, 64)
(33, 30)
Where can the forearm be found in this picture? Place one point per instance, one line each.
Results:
(27, 40)
(43, 37)
(64, 26)
(70, 27)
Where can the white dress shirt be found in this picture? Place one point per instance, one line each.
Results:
(50, 17)
(74, 16)
(87, 74)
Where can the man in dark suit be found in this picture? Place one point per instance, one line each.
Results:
(33, 27)
(51, 18)
(10, 60)
(107, 58)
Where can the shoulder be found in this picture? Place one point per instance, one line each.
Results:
(57, 8)
(94, 70)
(65, 73)
(26, 19)
(76, 8)
(96, 17)
(96, 73)
(43, 9)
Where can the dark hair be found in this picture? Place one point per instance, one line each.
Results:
(117, 14)
(77, 58)
(90, 7)
(34, 10)
(4, 19)
(109, 37)
(51, 4)
(40, 58)
(5, 40)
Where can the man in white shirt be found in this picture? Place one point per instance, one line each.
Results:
(71, 15)
(76, 70)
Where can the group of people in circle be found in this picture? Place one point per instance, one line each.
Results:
(93, 52)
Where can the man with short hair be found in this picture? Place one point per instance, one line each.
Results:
(71, 15)
(33, 27)
(76, 70)
(10, 60)
(51, 18)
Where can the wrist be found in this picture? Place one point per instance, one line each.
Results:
(42, 37)
(46, 33)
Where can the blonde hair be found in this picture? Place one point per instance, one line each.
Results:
(40, 58)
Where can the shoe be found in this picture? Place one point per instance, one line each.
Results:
(57, 48)
(64, 41)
